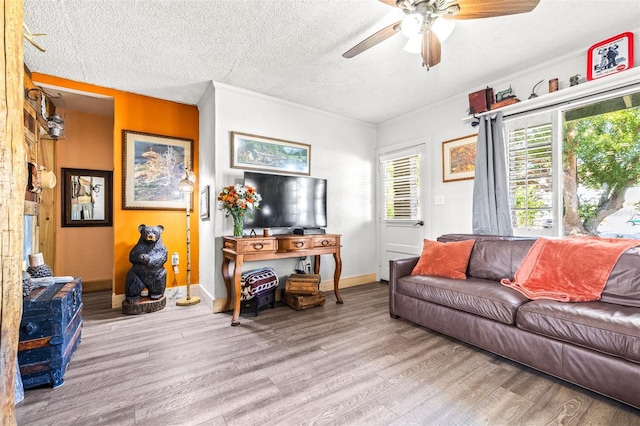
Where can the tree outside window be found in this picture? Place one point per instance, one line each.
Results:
(601, 168)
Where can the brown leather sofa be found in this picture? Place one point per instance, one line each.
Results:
(595, 345)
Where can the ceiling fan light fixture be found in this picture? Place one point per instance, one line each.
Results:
(443, 28)
(414, 44)
(411, 24)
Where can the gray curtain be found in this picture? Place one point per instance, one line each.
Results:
(490, 190)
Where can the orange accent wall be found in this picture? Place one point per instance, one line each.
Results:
(149, 115)
(87, 144)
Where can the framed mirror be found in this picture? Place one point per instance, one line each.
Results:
(87, 197)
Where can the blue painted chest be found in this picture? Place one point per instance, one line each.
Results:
(50, 332)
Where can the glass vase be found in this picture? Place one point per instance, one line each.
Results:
(238, 224)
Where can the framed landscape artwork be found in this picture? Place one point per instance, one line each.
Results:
(267, 154)
(87, 197)
(459, 158)
(153, 167)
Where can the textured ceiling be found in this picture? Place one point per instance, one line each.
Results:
(291, 49)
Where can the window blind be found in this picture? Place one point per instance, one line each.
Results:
(530, 176)
(401, 188)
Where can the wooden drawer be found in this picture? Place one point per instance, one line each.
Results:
(255, 245)
(326, 241)
(294, 243)
(249, 245)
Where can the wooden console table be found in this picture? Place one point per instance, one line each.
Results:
(241, 249)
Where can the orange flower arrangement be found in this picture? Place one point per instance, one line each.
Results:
(236, 201)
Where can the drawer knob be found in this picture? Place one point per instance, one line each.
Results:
(325, 242)
(258, 246)
(298, 244)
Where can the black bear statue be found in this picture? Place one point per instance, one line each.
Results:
(147, 257)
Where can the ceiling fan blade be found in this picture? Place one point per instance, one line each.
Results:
(371, 41)
(431, 49)
(474, 9)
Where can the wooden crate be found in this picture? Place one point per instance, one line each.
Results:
(50, 332)
(304, 284)
(300, 302)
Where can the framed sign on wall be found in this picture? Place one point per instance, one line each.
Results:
(610, 56)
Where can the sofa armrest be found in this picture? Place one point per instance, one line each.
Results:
(398, 268)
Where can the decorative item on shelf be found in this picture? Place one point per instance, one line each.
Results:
(504, 98)
(186, 186)
(553, 85)
(55, 123)
(37, 268)
(533, 91)
(610, 56)
(237, 201)
(574, 80)
(480, 101)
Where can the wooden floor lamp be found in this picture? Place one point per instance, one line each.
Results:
(186, 186)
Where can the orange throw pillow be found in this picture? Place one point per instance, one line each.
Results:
(447, 260)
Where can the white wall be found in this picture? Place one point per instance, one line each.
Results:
(342, 151)
(206, 173)
(444, 121)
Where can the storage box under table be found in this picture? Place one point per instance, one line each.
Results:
(306, 284)
(300, 302)
(50, 332)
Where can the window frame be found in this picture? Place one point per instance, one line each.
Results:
(556, 114)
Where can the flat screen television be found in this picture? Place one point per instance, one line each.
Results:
(288, 201)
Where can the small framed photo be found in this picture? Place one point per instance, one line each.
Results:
(205, 204)
(153, 166)
(271, 155)
(610, 56)
(87, 197)
(459, 158)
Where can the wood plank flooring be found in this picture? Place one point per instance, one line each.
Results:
(345, 364)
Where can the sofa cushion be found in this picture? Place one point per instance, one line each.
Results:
(493, 257)
(604, 327)
(623, 286)
(496, 259)
(486, 298)
(447, 260)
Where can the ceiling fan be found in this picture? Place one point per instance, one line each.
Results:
(421, 17)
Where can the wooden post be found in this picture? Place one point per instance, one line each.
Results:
(12, 188)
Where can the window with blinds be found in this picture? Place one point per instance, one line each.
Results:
(401, 188)
(531, 176)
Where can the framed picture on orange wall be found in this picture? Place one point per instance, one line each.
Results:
(459, 158)
(153, 166)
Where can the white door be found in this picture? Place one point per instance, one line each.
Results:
(402, 189)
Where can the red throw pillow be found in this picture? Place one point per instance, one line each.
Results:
(447, 260)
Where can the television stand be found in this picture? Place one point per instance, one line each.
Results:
(241, 249)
